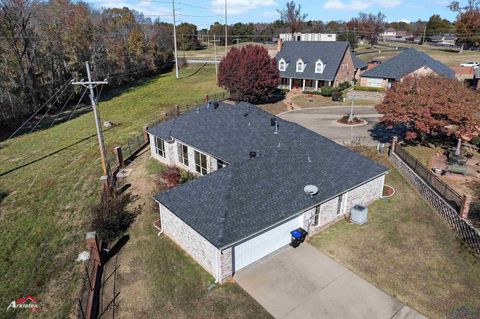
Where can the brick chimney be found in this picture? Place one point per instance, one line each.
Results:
(279, 44)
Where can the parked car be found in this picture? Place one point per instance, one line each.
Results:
(375, 62)
(471, 64)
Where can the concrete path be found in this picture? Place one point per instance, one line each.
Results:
(323, 120)
(305, 283)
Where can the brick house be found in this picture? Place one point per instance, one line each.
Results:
(250, 196)
(309, 65)
(409, 62)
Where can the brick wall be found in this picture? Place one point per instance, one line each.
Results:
(364, 195)
(346, 71)
(192, 242)
(447, 212)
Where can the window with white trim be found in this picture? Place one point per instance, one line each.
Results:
(160, 146)
(319, 67)
(300, 66)
(200, 162)
(316, 217)
(282, 66)
(183, 154)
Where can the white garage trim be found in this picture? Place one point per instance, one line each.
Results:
(260, 246)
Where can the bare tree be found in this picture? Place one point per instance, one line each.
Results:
(293, 16)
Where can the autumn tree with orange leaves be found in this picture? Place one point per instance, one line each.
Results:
(432, 106)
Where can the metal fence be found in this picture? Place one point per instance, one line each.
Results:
(442, 188)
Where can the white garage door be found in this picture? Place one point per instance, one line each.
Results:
(264, 244)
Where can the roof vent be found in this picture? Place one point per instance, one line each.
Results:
(253, 154)
(273, 121)
(215, 105)
(245, 114)
(311, 190)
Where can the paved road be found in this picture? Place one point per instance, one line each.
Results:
(323, 121)
(305, 283)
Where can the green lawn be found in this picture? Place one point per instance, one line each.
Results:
(407, 250)
(53, 181)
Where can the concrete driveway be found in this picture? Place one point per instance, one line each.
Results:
(304, 283)
(323, 120)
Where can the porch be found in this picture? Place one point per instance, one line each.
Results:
(303, 84)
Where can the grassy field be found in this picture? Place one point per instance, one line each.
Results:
(209, 52)
(445, 55)
(407, 250)
(52, 182)
(157, 279)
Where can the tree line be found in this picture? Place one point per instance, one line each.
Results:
(44, 43)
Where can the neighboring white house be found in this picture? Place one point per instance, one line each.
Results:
(298, 36)
(252, 196)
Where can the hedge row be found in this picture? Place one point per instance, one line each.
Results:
(368, 89)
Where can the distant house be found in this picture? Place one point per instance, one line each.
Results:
(394, 35)
(253, 194)
(298, 36)
(444, 39)
(409, 62)
(312, 65)
(360, 66)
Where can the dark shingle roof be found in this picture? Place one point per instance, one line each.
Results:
(329, 52)
(251, 195)
(359, 64)
(407, 62)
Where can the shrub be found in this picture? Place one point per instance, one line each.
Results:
(111, 218)
(171, 176)
(337, 96)
(368, 89)
(327, 90)
(186, 176)
(476, 141)
(344, 85)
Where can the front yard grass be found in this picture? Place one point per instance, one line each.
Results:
(49, 180)
(407, 250)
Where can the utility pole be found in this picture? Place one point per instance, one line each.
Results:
(226, 29)
(175, 39)
(424, 34)
(90, 85)
(215, 56)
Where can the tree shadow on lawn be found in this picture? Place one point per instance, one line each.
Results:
(384, 134)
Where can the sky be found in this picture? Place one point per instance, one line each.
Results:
(204, 13)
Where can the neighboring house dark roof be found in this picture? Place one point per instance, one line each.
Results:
(331, 53)
(407, 62)
(252, 195)
(358, 63)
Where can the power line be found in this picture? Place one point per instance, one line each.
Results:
(61, 110)
(78, 103)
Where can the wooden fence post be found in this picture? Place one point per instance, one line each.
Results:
(119, 156)
(94, 248)
(178, 109)
(465, 209)
(206, 98)
(145, 134)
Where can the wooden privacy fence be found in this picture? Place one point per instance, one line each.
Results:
(446, 208)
